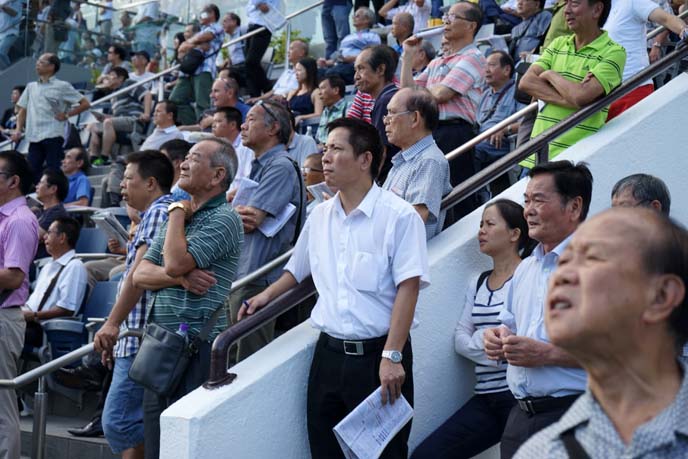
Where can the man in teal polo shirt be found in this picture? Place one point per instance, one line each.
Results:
(190, 267)
(574, 71)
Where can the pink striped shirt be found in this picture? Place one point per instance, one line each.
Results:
(461, 72)
(361, 107)
(18, 243)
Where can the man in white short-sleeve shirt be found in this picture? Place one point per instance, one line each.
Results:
(368, 259)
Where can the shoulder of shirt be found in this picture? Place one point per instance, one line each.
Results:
(540, 444)
(393, 202)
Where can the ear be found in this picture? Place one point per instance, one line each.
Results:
(219, 176)
(515, 235)
(151, 183)
(366, 160)
(576, 207)
(669, 292)
(656, 205)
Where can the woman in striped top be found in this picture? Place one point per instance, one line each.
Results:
(479, 423)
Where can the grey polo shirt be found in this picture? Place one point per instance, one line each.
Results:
(280, 184)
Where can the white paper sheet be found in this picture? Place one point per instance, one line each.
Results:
(271, 224)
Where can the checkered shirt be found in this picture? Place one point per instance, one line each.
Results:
(218, 39)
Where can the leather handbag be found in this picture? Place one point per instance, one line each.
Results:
(191, 61)
(164, 356)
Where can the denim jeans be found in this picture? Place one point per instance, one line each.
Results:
(335, 25)
(6, 43)
(123, 411)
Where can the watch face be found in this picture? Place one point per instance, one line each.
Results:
(396, 356)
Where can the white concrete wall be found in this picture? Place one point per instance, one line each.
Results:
(262, 413)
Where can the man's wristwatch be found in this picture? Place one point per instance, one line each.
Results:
(175, 205)
(394, 356)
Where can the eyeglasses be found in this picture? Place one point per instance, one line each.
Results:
(451, 17)
(389, 116)
(267, 110)
(308, 170)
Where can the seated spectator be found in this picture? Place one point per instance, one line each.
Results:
(9, 118)
(496, 104)
(298, 49)
(201, 244)
(571, 55)
(341, 62)
(10, 20)
(75, 165)
(51, 190)
(61, 284)
(304, 101)
(425, 54)
(642, 190)
(402, 28)
(129, 111)
(361, 106)
(116, 57)
(233, 57)
(300, 145)
(227, 125)
(223, 93)
(644, 255)
(139, 62)
(332, 92)
(176, 151)
(312, 171)
(165, 119)
(527, 35)
(503, 17)
(418, 9)
(479, 423)
(420, 172)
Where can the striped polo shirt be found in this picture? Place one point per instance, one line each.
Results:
(129, 103)
(461, 72)
(214, 237)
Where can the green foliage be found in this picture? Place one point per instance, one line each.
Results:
(279, 41)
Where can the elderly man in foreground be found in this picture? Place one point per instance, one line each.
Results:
(625, 270)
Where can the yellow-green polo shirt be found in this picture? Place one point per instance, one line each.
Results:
(604, 58)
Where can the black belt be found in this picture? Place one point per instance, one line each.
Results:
(454, 121)
(535, 405)
(354, 347)
(11, 307)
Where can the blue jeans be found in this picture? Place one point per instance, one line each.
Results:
(5, 46)
(435, 11)
(123, 411)
(335, 25)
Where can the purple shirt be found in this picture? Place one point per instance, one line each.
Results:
(18, 242)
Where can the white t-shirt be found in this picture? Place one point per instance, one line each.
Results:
(626, 26)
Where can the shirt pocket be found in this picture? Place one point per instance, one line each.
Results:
(364, 273)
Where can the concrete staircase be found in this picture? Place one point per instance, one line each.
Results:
(62, 445)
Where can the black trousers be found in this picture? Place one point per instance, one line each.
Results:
(48, 151)
(153, 404)
(337, 384)
(475, 427)
(521, 426)
(256, 45)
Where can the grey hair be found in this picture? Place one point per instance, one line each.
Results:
(277, 114)
(226, 157)
(428, 49)
(370, 15)
(645, 188)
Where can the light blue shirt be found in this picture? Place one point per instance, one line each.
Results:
(255, 16)
(495, 107)
(523, 313)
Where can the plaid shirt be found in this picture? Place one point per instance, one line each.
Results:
(152, 220)
(218, 38)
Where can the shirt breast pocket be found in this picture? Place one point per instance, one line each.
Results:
(364, 272)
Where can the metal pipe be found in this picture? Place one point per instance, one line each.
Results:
(661, 29)
(40, 410)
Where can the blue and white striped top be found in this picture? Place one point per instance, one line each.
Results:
(481, 311)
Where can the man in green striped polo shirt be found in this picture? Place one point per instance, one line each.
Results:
(574, 71)
(190, 267)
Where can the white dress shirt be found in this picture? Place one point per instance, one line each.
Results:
(285, 83)
(69, 290)
(358, 261)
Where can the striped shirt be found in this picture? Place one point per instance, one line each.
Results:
(462, 72)
(209, 64)
(361, 107)
(42, 102)
(481, 311)
(214, 237)
(152, 220)
(130, 103)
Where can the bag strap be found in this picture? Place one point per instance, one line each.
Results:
(205, 330)
(492, 110)
(573, 447)
(297, 230)
(481, 278)
(51, 287)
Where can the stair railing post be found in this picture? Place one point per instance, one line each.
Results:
(40, 409)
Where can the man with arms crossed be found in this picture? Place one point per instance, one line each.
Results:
(356, 247)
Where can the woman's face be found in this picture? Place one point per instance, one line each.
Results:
(494, 235)
(300, 72)
(176, 43)
(15, 96)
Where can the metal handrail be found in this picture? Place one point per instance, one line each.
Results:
(661, 29)
(176, 67)
(219, 376)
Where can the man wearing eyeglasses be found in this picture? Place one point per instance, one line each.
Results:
(18, 243)
(455, 81)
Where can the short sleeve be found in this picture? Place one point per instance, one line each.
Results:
(24, 98)
(71, 95)
(422, 79)
(221, 235)
(609, 71)
(150, 227)
(154, 252)
(299, 264)
(72, 288)
(276, 187)
(643, 8)
(406, 262)
(83, 188)
(545, 60)
(427, 185)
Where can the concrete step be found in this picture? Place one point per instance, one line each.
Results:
(60, 444)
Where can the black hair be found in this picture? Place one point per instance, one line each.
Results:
(512, 213)
(57, 179)
(235, 17)
(152, 163)
(606, 8)
(383, 55)
(474, 14)
(213, 7)
(176, 149)
(232, 115)
(82, 156)
(120, 72)
(70, 228)
(504, 60)
(570, 180)
(19, 88)
(54, 61)
(363, 137)
(338, 83)
(120, 51)
(19, 166)
(311, 67)
(170, 107)
(645, 188)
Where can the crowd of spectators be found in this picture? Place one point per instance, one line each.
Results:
(217, 185)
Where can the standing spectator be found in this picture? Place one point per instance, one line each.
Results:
(139, 62)
(266, 131)
(479, 423)
(145, 187)
(19, 230)
(106, 14)
(164, 118)
(298, 49)
(235, 59)
(190, 267)
(75, 165)
(332, 92)
(256, 45)
(544, 378)
(420, 172)
(116, 57)
(455, 80)
(367, 298)
(418, 9)
(341, 62)
(571, 55)
(528, 34)
(423, 57)
(644, 255)
(196, 87)
(304, 101)
(10, 18)
(52, 191)
(335, 23)
(147, 12)
(496, 104)
(44, 108)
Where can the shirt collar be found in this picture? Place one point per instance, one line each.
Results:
(337, 105)
(50, 80)
(169, 130)
(268, 155)
(415, 149)
(598, 43)
(366, 206)
(539, 251)
(66, 257)
(214, 202)
(10, 206)
(165, 199)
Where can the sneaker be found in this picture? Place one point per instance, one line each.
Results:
(100, 161)
(25, 410)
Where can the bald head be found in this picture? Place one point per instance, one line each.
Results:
(402, 26)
